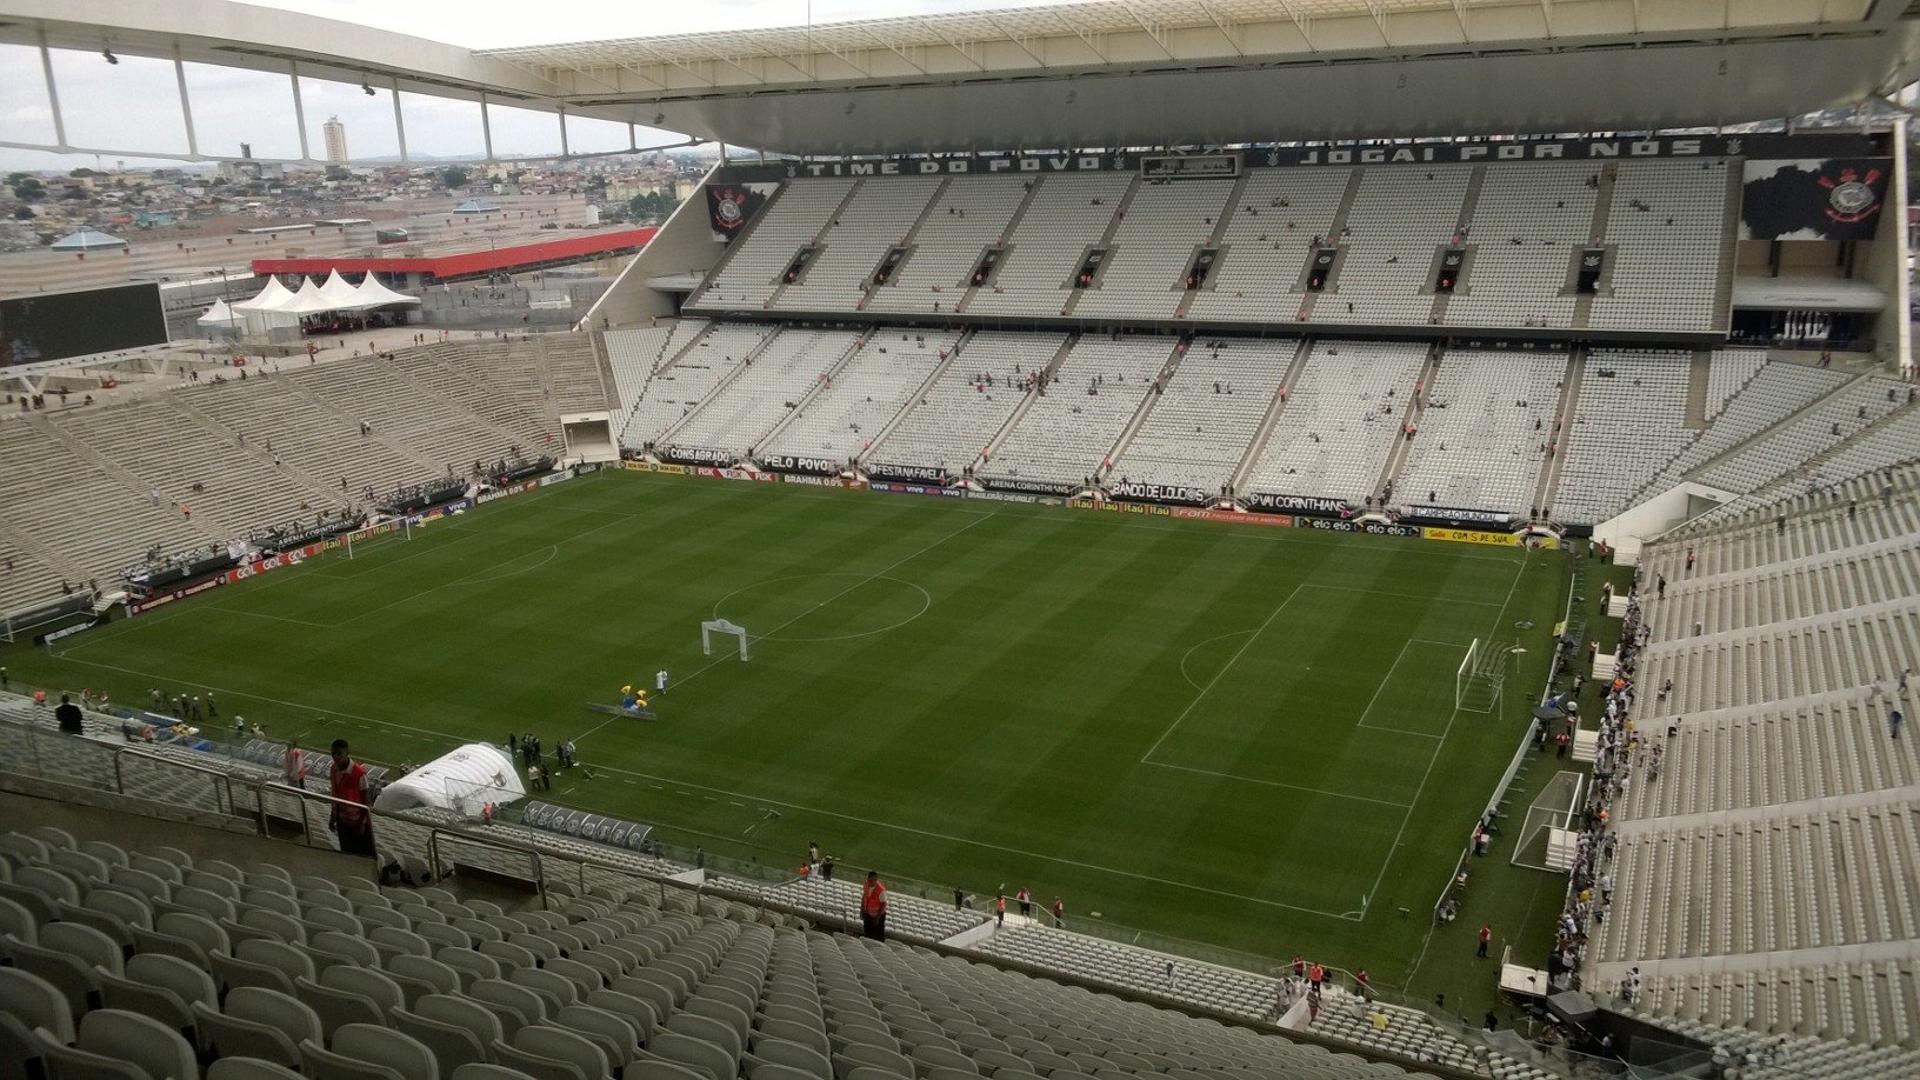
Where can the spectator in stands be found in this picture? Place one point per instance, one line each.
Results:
(873, 907)
(293, 765)
(67, 715)
(1059, 913)
(1000, 910)
(1026, 902)
(348, 782)
(1894, 720)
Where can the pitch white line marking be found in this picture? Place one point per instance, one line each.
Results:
(1279, 784)
(1231, 660)
(1394, 849)
(882, 572)
(1387, 678)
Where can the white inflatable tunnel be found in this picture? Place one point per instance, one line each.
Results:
(461, 781)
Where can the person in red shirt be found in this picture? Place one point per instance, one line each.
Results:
(1360, 984)
(873, 907)
(1316, 975)
(1026, 902)
(1059, 912)
(350, 821)
(1000, 909)
(1486, 935)
(1299, 966)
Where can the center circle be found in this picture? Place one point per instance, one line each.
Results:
(830, 606)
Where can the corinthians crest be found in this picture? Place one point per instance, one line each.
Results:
(729, 209)
(1850, 197)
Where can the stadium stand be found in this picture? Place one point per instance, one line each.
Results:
(1484, 429)
(708, 359)
(1078, 417)
(301, 969)
(876, 218)
(98, 522)
(971, 214)
(1207, 414)
(792, 364)
(1065, 215)
(793, 220)
(1667, 228)
(1763, 859)
(1528, 225)
(1522, 226)
(1163, 227)
(451, 370)
(840, 422)
(1264, 249)
(573, 372)
(1630, 422)
(950, 425)
(1340, 421)
(1390, 244)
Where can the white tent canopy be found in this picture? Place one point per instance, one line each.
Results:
(273, 297)
(371, 293)
(308, 301)
(220, 314)
(460, 781)
(337, 292)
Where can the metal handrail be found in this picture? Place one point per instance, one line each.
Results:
(539, 878)
(223, 781)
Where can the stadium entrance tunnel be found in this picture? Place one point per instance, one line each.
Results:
(832, 606)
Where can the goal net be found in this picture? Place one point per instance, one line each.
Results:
(724, 629)
(1548, 837)
(1478, 681)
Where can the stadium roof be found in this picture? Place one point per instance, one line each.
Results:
(1103, 74)
(1066, 34)
(87, 240)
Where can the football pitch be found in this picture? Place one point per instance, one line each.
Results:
(1242, 737)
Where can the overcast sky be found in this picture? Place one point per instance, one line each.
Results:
(134, 104)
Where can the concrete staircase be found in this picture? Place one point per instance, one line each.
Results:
(1548, 487)
(1020, 410)
(1333, 237)
(1013, 223)
(1167, 370)
(1272, 419)
(906, 241)
(1597, 235)
(745, 364)
(1402, 446)
(1106, 241)
(819, 239)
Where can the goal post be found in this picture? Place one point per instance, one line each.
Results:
(723, 628)
(1478, 681)
(1548, 837)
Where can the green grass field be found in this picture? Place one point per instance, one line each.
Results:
(1243, 737)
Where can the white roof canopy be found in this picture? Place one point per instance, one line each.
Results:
(220, 314)
(273, 297)
(337, 292)
(371, 294)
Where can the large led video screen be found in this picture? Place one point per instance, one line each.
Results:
(55, 326)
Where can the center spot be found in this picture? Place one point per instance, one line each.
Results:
(831, 606)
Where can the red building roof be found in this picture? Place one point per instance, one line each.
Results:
(466, 263)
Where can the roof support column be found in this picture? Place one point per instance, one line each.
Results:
(560, 111)
(299, 109)
(186, 103)
(399, 123)
(633, 140)
(53, 93)
(486, 125)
